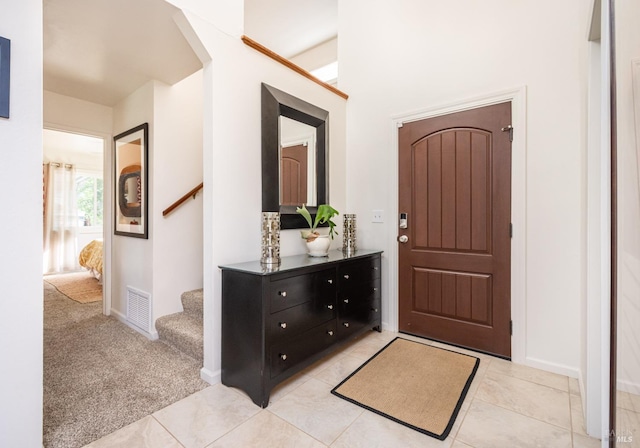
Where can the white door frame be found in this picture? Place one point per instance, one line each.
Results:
(517, 97)
(107, 212)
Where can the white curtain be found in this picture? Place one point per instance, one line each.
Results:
(60, 218)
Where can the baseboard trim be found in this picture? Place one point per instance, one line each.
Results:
(209, 376)
(387, 327)
(552, 367)
(122, 318)
(628, 386)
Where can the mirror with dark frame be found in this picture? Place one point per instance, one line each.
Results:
(294, 156)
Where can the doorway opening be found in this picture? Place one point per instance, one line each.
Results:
(518, 293)
(454, 256)
(73, 214)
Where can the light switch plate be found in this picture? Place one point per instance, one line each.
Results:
(377, 216)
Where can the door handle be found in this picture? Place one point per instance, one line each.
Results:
(403, 239)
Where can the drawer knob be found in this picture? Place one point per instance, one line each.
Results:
(346, 276)
(283, 325)
(283, 356)
(375, 310)
(282, 293)
(330, 332)
(346, 324)
(330, 281)
(346, 300)
(375, 289)
(375, 268)
(330, 307)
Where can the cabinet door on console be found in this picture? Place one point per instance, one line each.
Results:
(359, 295)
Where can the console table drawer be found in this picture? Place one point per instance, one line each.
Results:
(290, 353)
(297, 319)
(291, 291)
(356, 317)
(356, 293)
(355, 272)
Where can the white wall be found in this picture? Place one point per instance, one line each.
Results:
(434, 53)
(21, 230)
(132, 258)
(628, 50)
(318, 56)
(170, 261)
(232, 162)
(227, 16)
(71, 114)
(177, 168)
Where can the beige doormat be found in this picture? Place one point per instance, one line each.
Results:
(79, 286)
(414, 384)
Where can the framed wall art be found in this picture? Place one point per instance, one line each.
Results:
(131, 151)
(5, 72)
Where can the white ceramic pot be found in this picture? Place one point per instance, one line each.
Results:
(319, 247)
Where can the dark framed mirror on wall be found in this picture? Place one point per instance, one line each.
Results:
(295, 137)
(131, 154)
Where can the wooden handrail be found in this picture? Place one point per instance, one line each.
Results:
(181, 201)
(286, 62)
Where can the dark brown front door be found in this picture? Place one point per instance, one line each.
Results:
(293, 171)
(455, 266)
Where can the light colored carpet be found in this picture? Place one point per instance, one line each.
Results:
(100, 375)
(79, 286)
(414, 384)
(183, 330)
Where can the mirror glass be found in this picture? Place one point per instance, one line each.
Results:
(294, 156)
(297, 163)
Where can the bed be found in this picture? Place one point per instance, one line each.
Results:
(90, 258)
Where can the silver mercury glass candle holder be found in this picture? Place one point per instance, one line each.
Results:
(270, 238)
(349, 233)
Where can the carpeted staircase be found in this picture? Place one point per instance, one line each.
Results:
(183, 330)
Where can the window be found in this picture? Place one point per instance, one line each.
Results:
(89, 190)
(328, 73)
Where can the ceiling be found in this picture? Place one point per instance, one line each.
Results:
(103, 50)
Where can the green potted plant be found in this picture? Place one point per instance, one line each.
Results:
(317, 244)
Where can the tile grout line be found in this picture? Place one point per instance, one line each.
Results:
(531, 382)
(570, 414)
(523, 415)
(308, 378)
(348, 426)
(227, 432)
(167, 430)
(568, 390)
(296, 428)
(234, 428)
(471, 398)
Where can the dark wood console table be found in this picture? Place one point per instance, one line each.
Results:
(276, 322)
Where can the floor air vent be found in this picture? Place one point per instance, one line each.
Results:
(139, 309)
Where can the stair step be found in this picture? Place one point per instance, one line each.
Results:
(182, 331)
(192, 302)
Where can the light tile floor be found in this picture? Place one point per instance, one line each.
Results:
(508, 405)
